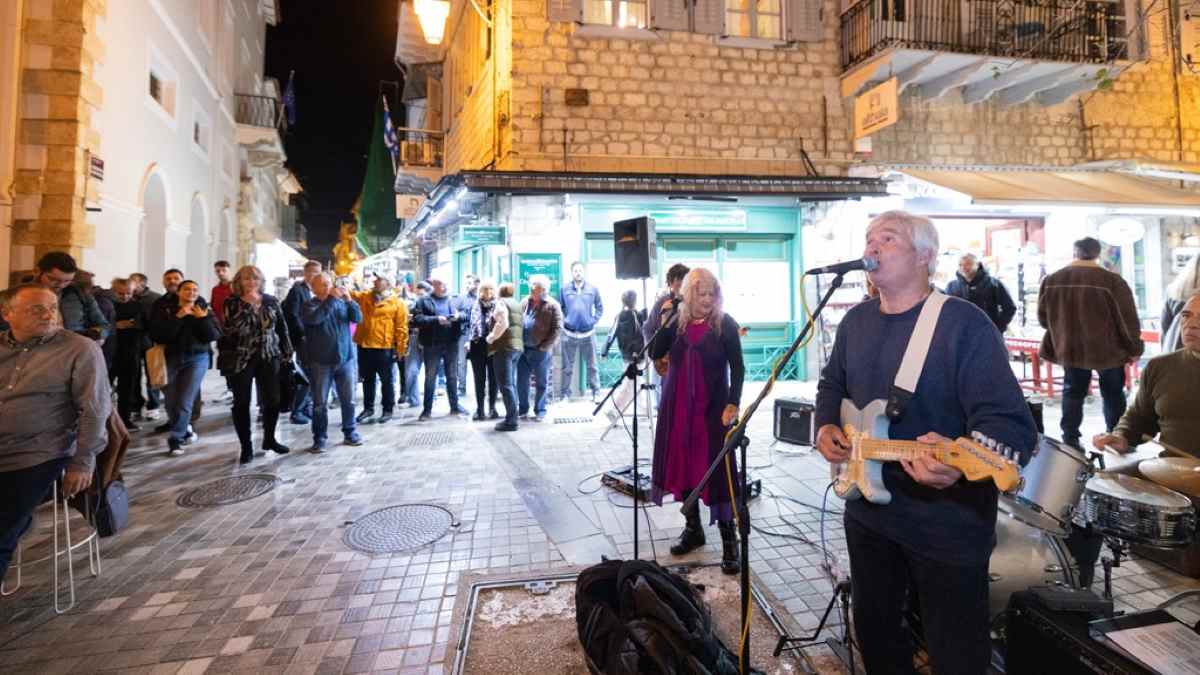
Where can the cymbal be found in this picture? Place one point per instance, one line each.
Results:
(1181, 474)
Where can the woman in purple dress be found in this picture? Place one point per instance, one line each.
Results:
(700, 397)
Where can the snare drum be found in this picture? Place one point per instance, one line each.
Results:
(1051, 485)
(1138, 511)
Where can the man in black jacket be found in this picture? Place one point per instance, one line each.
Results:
(440, 320)
(983, 290)
(300, 294)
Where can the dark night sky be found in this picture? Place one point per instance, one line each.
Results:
(340, 52)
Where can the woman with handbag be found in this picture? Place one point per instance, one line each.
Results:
(253, 350)
(185, 329)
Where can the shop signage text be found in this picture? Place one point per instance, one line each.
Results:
(876, 109)
(529, 264)
(475, 235)
(96, 167)
(698, 219)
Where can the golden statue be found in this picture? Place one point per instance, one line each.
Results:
(345, 252)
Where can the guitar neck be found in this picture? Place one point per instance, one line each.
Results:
(893, 451)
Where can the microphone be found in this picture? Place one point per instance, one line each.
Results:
(867, 264)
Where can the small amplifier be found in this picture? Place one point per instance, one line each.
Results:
(621, 479)
(1041, 640)
(794, 421)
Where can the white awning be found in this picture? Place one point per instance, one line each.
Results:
(1049, 187)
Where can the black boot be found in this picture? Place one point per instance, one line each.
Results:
(247, 454)
(730, 560)
(692, 536)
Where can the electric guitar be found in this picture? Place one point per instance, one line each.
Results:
(867, 430)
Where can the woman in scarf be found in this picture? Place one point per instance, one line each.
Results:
(481, 322)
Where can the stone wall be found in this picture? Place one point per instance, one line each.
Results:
(57, 98)
(669, 101)
(1135, 118)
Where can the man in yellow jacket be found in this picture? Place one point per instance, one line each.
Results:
(382, 338)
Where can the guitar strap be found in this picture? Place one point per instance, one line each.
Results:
(914, 356)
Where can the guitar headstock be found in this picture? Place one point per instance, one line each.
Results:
(982, 457)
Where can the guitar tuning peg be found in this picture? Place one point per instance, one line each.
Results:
(976, 435)
(990, 443)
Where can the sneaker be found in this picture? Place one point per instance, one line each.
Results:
(505, 426)
(479, 416)
(425, 417)
(318, 447)
(277, 447)
(300, 419)
(191, 437)
(352, 439)
(174, 449)
(460, 411)
(384, 418)
(540, 418)
(365, 417)
(151, 414)
(595, 395)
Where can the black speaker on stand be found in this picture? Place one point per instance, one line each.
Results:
(635, 248)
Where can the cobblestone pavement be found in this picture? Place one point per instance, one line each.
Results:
(267, 585)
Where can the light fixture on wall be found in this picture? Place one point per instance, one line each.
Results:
(432, 15)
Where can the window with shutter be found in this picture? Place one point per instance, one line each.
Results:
(754, 19)
(669, 14)
(709, 17)
(565, 10)
(804, 21)
(617, 13)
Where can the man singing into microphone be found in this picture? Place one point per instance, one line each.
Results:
(931, 544)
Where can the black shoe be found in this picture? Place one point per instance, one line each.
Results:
(385, 417)
(460, 411)
(424, 417)
(692, 536)
(730, 559)
(162, 428)
(130, 426)
(247, 456)
(505, 426)
(277, 447)
(365, 417)
(493, 415)
(479, 416)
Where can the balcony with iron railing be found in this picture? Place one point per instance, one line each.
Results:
(955, 43)
(261, 123)
(422, 157)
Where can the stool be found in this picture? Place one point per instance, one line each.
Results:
(92, 541)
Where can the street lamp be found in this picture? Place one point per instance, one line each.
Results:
(432, 15)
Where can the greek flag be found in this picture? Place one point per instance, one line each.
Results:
(389, 133)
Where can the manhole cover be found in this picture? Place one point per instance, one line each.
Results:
(431, 438)
(229, 490)
(572, 420)
(399, 528)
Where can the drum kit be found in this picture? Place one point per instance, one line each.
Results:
(1063, 489)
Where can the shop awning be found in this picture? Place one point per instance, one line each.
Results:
(1060, 188)
(814, 188)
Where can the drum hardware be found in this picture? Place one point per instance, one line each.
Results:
(1109, 562)
(1138, 511)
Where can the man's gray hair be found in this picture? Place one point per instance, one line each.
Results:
(920, 229)
(9, 295)
(540, 280)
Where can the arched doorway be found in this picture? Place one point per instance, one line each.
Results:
(153, 251)
(197, 245)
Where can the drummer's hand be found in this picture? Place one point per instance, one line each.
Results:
(833, 444)
(1114, 442)
(928, 471)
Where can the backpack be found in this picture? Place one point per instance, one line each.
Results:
(629, 334)
(636, 618)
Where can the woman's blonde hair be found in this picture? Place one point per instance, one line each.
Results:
(691, 284)
(237, 279)
(1187, 283)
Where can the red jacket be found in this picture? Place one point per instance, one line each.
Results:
(220, 293)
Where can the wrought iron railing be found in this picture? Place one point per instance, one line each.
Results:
(1084, 31)
(420, 147)
(260, 111)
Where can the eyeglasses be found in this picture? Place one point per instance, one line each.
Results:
(39, 310)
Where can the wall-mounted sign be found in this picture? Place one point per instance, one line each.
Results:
(529, 264)
(1181, 256)
(700, 219)
(576, 97)
(1121, 231)
(96, 168)
(876, 109)
(408, 205)
(475, 235)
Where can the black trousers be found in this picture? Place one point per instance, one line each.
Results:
(265, 374)
(127, 373)
(481, 368)
(953, 603)
(372, 364)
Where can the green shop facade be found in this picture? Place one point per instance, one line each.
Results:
(747, 231)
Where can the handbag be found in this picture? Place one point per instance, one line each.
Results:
(156, 366)
(110, 510)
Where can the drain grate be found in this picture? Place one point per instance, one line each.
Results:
(572, 420)
(396, 529)
(229, 490)
(431, 438)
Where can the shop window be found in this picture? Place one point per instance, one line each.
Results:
(756, 280)
(754, 19)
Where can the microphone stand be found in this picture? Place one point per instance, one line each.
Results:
(736, 438)
(632, 371)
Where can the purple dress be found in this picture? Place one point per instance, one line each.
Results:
(706, 373)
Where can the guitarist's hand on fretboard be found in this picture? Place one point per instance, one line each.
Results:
(833, 444)
(928, 471)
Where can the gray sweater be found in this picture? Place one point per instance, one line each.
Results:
(54, 401)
